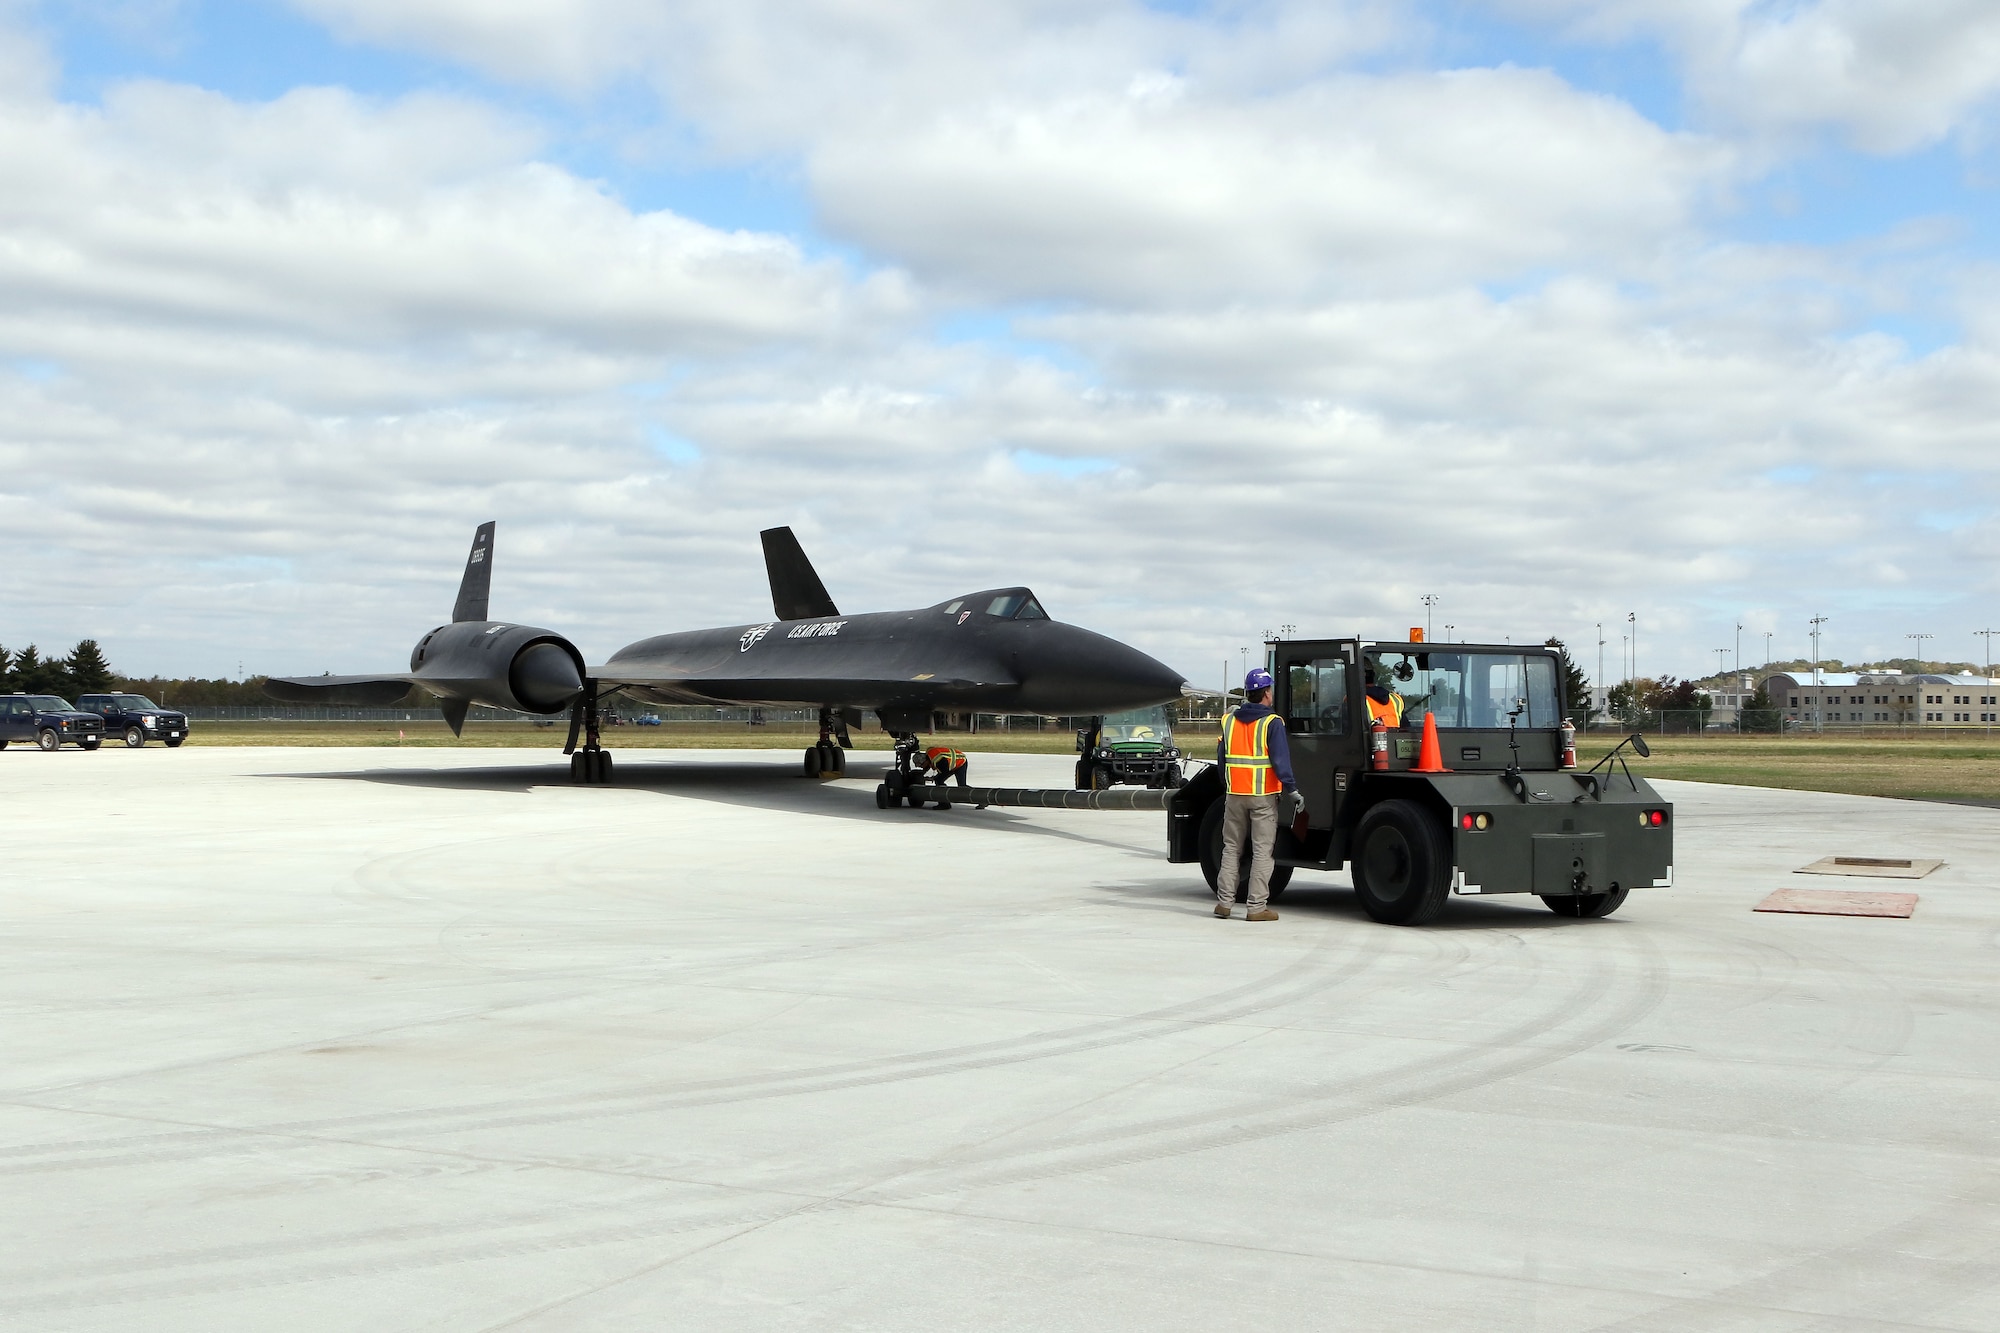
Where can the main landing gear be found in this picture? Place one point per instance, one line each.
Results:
(828, 759)
(592, 763)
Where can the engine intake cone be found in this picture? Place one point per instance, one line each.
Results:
(544, 678)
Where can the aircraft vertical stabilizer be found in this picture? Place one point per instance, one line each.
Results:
(478, 580)
(796, 592)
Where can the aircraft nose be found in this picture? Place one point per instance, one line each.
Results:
(1079, 672)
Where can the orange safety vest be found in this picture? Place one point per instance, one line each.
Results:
(1246, 756)
(1390, 713)
(937, 752)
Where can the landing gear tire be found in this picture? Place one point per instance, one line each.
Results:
(48, 740)
(91, 743)
(590, 766)
(134, 738)
(812, 761)
(1587, 904)
(839, 758)
(604, 765)
(1401, 865)
(1211, 860)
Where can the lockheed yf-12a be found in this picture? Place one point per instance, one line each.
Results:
(993, 651)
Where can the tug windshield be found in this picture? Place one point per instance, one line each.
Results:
(1142, 726)
(1471, 689)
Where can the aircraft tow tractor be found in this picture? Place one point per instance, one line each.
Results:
(1476, 790)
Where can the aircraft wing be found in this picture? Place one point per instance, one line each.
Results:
(340, 691)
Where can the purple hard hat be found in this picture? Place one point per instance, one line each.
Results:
(1258, 679)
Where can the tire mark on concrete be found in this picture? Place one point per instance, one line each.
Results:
(1298, 979)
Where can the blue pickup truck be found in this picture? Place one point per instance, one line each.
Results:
(136, 718)
(46, 721)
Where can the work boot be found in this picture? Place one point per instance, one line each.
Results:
(1262, 914)
(1222, 910)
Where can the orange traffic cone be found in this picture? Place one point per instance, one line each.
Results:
(1430, 758)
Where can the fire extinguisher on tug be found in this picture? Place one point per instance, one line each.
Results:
(1569, 743)
(1378, 746)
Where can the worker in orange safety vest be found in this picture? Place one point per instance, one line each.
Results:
(1256, 760)
(1384, 704)
(945, 762)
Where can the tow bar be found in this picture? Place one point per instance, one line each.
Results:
(1050, 798)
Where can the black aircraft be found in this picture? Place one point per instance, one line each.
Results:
(994, 651)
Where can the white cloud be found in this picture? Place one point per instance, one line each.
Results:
(1164, 196)
(324, 217)
(263, 365)
(1889, 75)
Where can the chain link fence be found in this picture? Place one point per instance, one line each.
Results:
(1765, 722)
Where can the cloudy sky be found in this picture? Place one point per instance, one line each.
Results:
(1200, 319)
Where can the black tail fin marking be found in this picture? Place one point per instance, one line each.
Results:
(796, 592)
(478, 581)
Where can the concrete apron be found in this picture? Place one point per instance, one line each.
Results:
(432, 1039)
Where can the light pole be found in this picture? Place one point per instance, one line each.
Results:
(1430, 601)
(1767, 648)
(1918, 639)
(1633, 616)
(1447, 633)
(1988, 633)
(1600, 657)
(1720, 653)
(1739, 647)
(1819, 696)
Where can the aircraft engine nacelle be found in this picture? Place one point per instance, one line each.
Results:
(505, 666)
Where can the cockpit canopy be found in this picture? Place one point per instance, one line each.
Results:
(999, 603)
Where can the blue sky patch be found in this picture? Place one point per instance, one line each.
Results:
(672, 447)
(1046, 465)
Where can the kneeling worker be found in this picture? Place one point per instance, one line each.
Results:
(1257, 779)
(946, 762)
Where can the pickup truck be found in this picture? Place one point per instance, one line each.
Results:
(136, 718)
(48, 722)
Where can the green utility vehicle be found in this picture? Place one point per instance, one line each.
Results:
(1135, 749)
(1509, 813)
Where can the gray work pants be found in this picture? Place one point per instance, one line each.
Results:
(1255, 817)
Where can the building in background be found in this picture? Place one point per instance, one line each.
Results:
(1877, 699)
(1730, 694)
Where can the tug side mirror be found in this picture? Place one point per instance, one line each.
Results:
(1639, 744)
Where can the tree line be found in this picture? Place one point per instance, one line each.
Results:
(84, 670)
